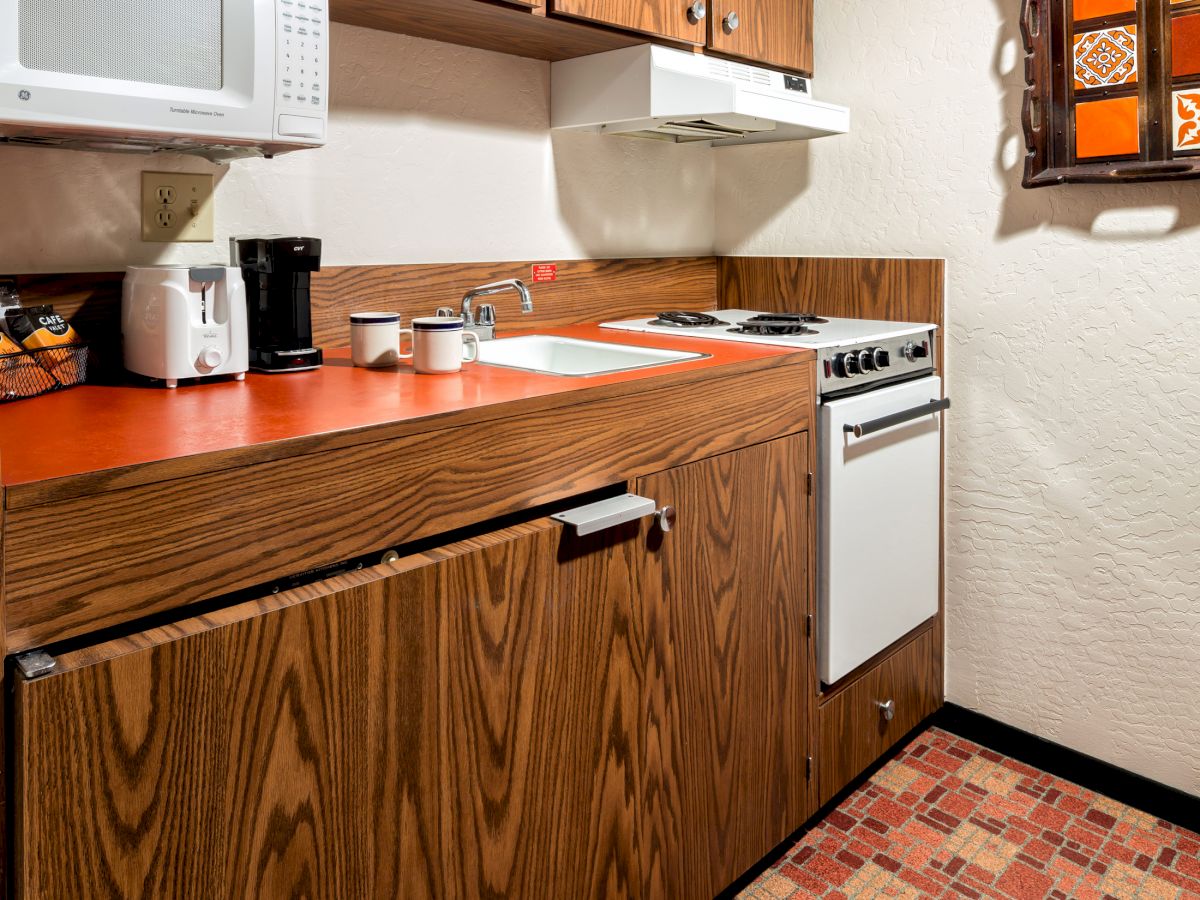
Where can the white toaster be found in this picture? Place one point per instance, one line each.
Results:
(184, 322)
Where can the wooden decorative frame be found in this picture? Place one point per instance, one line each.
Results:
(1048, 29)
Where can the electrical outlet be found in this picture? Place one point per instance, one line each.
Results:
(177, 206)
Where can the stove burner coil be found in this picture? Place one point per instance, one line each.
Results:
(678, 318)
(779, 324)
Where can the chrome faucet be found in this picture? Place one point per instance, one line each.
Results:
(485, 328)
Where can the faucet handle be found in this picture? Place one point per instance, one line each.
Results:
(487, 314)
(445, 312)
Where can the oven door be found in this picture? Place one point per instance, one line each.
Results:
(879, 525)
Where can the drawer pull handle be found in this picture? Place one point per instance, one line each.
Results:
(607, 513)
(887, 709)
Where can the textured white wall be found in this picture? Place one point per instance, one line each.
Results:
(1073, 505)
(436, 153)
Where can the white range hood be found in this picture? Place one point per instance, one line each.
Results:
(673, 95)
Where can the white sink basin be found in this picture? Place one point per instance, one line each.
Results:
(549, 355)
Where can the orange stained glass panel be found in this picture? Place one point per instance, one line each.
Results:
(1106, 128)
(1093, 9)
(1185, 45)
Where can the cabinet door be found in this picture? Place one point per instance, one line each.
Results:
(542, 718)
(771, 32)
(665, 18)
(725, 596)
(465, 727)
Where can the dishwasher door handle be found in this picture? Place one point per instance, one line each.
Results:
(897, 418)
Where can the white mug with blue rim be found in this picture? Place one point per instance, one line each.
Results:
(439, 344)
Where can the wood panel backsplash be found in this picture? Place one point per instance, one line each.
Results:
(586, 291)
(903, 290)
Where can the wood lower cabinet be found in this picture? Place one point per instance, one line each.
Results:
(523, 714)
(673, 19)
(770, 32)
(725, 600)
(854, 728)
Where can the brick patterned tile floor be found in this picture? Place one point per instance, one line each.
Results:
(948, 818)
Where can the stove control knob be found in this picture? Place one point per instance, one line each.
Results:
(866, 362)
(850, 362)
(839, 365)
(909, 353)
(210, 357)
(881, 358)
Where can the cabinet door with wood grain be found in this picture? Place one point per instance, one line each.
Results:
(459, 723)
(673, 19)
(770, 32)
(725, 595)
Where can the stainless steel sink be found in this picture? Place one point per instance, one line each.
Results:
(550, 355)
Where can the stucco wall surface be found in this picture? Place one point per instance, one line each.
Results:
(436, 153)
(1073, 467)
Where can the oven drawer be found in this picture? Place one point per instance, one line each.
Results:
(854, 729)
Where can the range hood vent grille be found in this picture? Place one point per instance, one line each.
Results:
(693, 130)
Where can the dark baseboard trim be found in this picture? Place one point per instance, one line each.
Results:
(1142, 793)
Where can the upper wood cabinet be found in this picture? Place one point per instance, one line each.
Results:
(673, 19)
(771, 32)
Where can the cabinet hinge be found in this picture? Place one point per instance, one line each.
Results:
(810, 483)
(36, 664)
(808, 625)
(808, 768)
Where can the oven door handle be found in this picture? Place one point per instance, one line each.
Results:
(906, 415)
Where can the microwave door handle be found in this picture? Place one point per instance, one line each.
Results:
(897, 418)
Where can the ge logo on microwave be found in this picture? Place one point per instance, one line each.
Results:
(23, 95)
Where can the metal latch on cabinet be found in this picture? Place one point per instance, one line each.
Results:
(36, 663)
(615, 511)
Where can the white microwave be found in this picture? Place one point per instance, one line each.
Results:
(222, 78)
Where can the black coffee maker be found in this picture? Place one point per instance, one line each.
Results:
(277, 271)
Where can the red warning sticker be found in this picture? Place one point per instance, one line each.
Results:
(545, 272)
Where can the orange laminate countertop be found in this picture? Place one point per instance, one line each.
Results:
(95, 429)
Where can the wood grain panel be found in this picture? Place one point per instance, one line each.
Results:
(725, 596)
(158, 546)
(853, 733)
(771, 32)
(502, 27)
(904, 290)
(542, 717)
(115, 799)
(463, 722)
(660, 18)
(586, 291)
(287, 747)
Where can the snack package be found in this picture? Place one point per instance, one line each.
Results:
(39, 328)
(20, 374)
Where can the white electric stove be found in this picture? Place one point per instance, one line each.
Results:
(879, 481)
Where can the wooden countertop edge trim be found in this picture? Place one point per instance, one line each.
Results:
(24, 496)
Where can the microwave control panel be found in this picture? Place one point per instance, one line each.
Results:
(303, 57)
